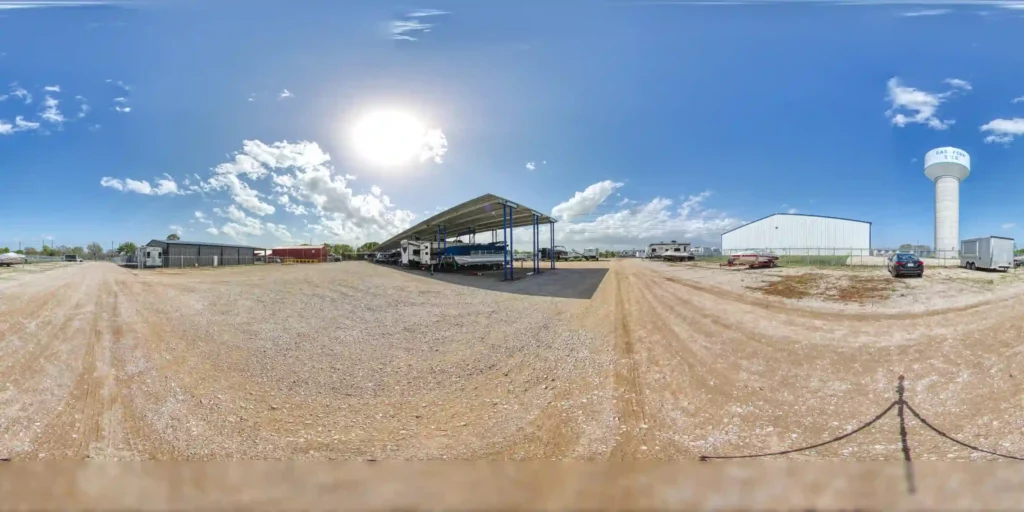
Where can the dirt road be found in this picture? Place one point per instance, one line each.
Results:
(102, 362)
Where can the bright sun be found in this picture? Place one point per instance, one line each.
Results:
(389, 137)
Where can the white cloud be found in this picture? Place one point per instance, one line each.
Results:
(435, 145)
(1008, 225)
(252, 97)
(279, 231)
(957, 83)
(176, 229)
(118, 83)
(21, 94)
(922, 105)
(410, 27)
(121, 100)
(792, 210)
(1003, 131)
(584, 203)
(639, 225)
(83, 108)
(1018, 99)
(123, 110)
(303, 174)
(530, 166)
(20, 125)
(1005, 4)
(163, 186)
(240, 192)
(52, 88)
(927, 12)
(51, 113)
(285, 94)
(213, 231)
(426, 12)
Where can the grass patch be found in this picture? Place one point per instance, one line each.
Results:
(813, 261)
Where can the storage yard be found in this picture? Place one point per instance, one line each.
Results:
(362, 361)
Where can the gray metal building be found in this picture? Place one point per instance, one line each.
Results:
(181, 253)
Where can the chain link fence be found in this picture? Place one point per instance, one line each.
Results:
(834, 257)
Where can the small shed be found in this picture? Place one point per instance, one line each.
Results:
(181, 253)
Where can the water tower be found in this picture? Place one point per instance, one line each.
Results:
(947, 167)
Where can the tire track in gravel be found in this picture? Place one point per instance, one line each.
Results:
(629, 392)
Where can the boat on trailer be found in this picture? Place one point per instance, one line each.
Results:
(752, 259)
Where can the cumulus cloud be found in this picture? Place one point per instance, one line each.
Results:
(176, 229)
(163, 186)
(285, 94)
(916, 106)
(531, 166)
(304, 183)
(213, 231)
(52, 88)
(792, 210)
(620, 226)
(584, 203)
(1003, 131)
(1008, 225)
(45, 4)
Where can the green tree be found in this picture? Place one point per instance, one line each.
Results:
(19, 251)
(94, 250)
(343, 249)
(127, 248)
(30, 251)
(4, 250)
(77, 251)
(173, 236)
(367, 247)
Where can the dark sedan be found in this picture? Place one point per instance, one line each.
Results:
(906, 265)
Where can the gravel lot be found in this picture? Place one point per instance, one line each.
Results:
(356, 361)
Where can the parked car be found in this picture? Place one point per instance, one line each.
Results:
(905, 265)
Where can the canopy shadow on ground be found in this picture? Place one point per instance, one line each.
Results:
(562, 283)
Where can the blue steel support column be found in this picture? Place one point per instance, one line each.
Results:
(552, 245)
(511, 246)
(504, 249)
(537, 245)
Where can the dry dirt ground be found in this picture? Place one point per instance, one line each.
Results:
(356, 361)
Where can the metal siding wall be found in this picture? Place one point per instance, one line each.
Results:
(182, 255)
(230, 255)
(801, 234)
(245, 257)
(206, 254)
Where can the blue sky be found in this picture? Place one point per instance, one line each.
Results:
(643, 121)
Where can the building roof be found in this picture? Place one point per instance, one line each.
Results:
(298, 247)
(794, 215)
(208, 244)
(477, 215)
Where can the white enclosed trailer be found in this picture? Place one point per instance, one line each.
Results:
(991, 252)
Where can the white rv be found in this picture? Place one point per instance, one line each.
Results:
(591, 253)
(149, 257)
(671, 251)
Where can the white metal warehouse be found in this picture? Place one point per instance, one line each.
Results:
(798, 234)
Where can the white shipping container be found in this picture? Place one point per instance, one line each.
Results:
(787, 233)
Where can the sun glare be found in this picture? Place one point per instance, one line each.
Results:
(389, 137)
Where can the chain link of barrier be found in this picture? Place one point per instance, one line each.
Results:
(900, 404)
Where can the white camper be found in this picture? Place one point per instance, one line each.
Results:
(12, 258)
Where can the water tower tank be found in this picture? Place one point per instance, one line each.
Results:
(947, 167)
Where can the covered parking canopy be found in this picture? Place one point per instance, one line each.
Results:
(485, 213)
(474, 216)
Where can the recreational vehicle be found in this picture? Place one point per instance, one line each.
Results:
(670, 251)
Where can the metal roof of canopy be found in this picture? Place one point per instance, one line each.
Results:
(474, 216)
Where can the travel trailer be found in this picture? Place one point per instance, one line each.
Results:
(672, 251)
